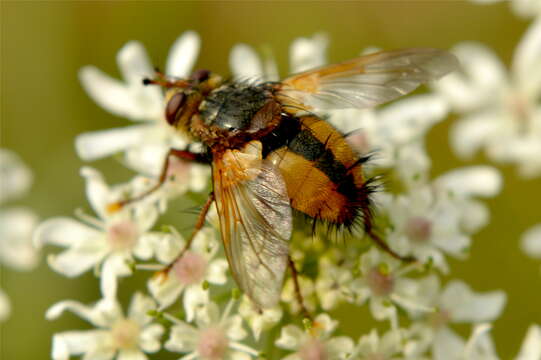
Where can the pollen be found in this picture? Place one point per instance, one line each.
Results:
(419, 229)
(122, 235)
(190, 268)
(114, 207)
(212, 344)
(125, 334)
(380, 282)
(313, 349)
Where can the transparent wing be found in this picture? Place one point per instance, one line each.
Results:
(255, 223)
(366, 81)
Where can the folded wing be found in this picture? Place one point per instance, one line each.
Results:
(255, 222)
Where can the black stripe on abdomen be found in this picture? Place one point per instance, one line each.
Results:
(309, 147)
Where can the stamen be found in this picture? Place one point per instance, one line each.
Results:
(89, 220)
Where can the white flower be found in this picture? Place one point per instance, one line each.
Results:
(16, 223)
(304, 53)
(196, 266)
(316, 342)
(531, 241)
(384, 286)
(146, 143)
(478, 347)
(259, 320)
(216, 337)
(332, 284)
(5, 306)
(110, 242)
(465, 184)
(117, 336)
(531, 347)
(501, 112)
(437, 218)
(15, 176)
(457, 303)
(394, 133)
(372, 346)
(16, 248)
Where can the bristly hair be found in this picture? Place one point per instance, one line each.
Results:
(362, 209)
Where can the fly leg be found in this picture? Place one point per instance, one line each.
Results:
(383, 246)
(198, 225)
(186, 155)
(298, 294)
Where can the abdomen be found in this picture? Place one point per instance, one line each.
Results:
(323, 174)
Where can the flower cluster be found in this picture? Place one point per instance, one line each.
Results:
(194, 308)
(16, 222)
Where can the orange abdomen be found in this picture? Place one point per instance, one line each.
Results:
(323, 174)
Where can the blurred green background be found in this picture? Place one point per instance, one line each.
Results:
(43, 107)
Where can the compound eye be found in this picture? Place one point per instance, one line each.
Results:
(173, 106)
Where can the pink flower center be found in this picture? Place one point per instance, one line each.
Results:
(125, 334)
(122, 235)
(419, 229)
(313, 349)
(178, 170)
(213, 343)
(190, 268)
(359, 142)
(379, 282)
(521, 110)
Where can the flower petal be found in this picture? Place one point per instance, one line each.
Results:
(308, 53)
(131, 354)
(139, 307)
(483, 181)
(406, 120)
(63, 231)
(78, 259)
(76, 343)
(98, 144)
(447, 345)
(531, 241)
(194, 297)
(103, 313)
(245, 63)
(149, 339)
(111, 94)
(472, 132)
(97, 191)
(165, 289)
(16, 248)
(527, 60)
(5, 306)
(531, 347)
(182, 338)
(526, 8)
(217, 272)
(183, 54)
(148, 158)
(290, 338)
(482, 75)
(135, 65)
(466, 306)
(113, 267)
(15, 176)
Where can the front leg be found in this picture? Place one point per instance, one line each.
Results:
(185, 155)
